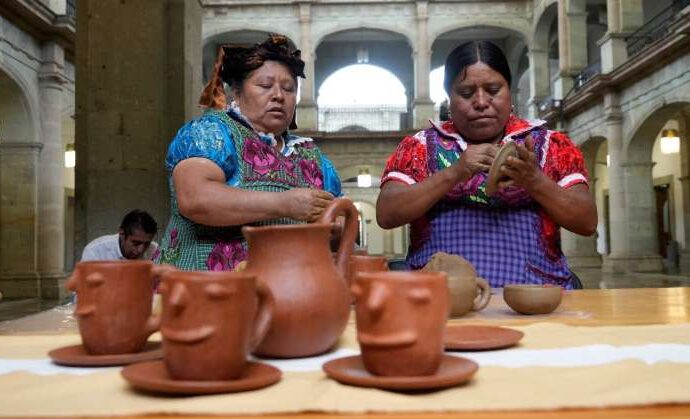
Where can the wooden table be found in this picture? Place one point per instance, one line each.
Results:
(583, 307)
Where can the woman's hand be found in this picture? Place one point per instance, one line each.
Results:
(522, 171)
(305, 204)
(476, 158)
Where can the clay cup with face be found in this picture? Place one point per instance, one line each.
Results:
(401, 321)
(467, 290)
(365, 263)
(114, 301)
(211, 321)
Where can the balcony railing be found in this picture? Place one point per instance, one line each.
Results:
(655, 29)
(362, 118)
(71, 10)
(587, 74)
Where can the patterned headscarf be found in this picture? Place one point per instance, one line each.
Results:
(235, 62)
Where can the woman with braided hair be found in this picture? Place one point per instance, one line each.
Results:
(237, 164)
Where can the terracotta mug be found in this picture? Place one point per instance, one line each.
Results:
(114, 300)
(401, 321)
(211, 322)
(365, 263)
(467, 290)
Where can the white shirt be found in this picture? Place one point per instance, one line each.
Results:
(108, 248)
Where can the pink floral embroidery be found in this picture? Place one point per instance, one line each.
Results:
(225, 256)
(259, 156)
(312, 173)
(289, 167)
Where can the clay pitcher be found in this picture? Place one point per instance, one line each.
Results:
(311, 299)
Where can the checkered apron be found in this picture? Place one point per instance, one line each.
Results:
(502, 242)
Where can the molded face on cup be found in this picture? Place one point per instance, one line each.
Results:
(532, 299)
(113, 305)
(207, 323)
(401, 320)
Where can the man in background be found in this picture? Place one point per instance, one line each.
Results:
(133, 241)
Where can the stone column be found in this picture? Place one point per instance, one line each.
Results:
(684, 133)
(643, 254)
(572, 44)
(581, 251)
(19, 219)
(538, 80)
(631, 204)
(624, 16)
(51, 185)
(307, 112)
(423, 106)
(614, 262)
(135, 90)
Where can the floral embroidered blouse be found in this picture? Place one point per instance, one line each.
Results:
(508, 236)
(250, 161)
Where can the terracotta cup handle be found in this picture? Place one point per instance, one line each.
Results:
(157, 274)
(71, 283)
(484, 296)
(342, 206)
(264, 315)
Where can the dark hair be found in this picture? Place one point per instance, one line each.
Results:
(470, 53)
(235, 62)
(139, 220)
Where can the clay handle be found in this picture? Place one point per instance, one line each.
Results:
(484, 296)
(157, 273)
(264, 315)
(342, 206)
(71, 283)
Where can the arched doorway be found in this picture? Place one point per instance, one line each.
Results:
(362, 95)
(655, 184)
(375, 48)
(19, 154)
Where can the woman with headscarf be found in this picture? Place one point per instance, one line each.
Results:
(237, 164)
(436, 181)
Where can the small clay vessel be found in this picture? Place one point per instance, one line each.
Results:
(467, 290)
(211, 321)
(312, 302)
(532, 299)
(507, 150)
(401, 321)
(114, 300)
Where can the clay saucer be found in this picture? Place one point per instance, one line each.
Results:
(351, 371)
(76, 356)
(507, 150)
(480, 338)
(153, 376)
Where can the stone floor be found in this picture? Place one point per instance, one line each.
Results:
(591, 278)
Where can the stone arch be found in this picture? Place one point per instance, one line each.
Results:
(326, 65)
(513, 42)
(522, 32)
(240, 36)
(542, 25)
(350, 172)
(319, 37)
(638, 148)
(18, 108)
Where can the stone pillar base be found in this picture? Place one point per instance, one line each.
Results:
(684, 261)
(307, 116)
(641, 263)
(584, 261)
(53, 286)
(423, 111)
(19, 285)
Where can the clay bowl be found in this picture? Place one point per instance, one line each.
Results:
(532, 299)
